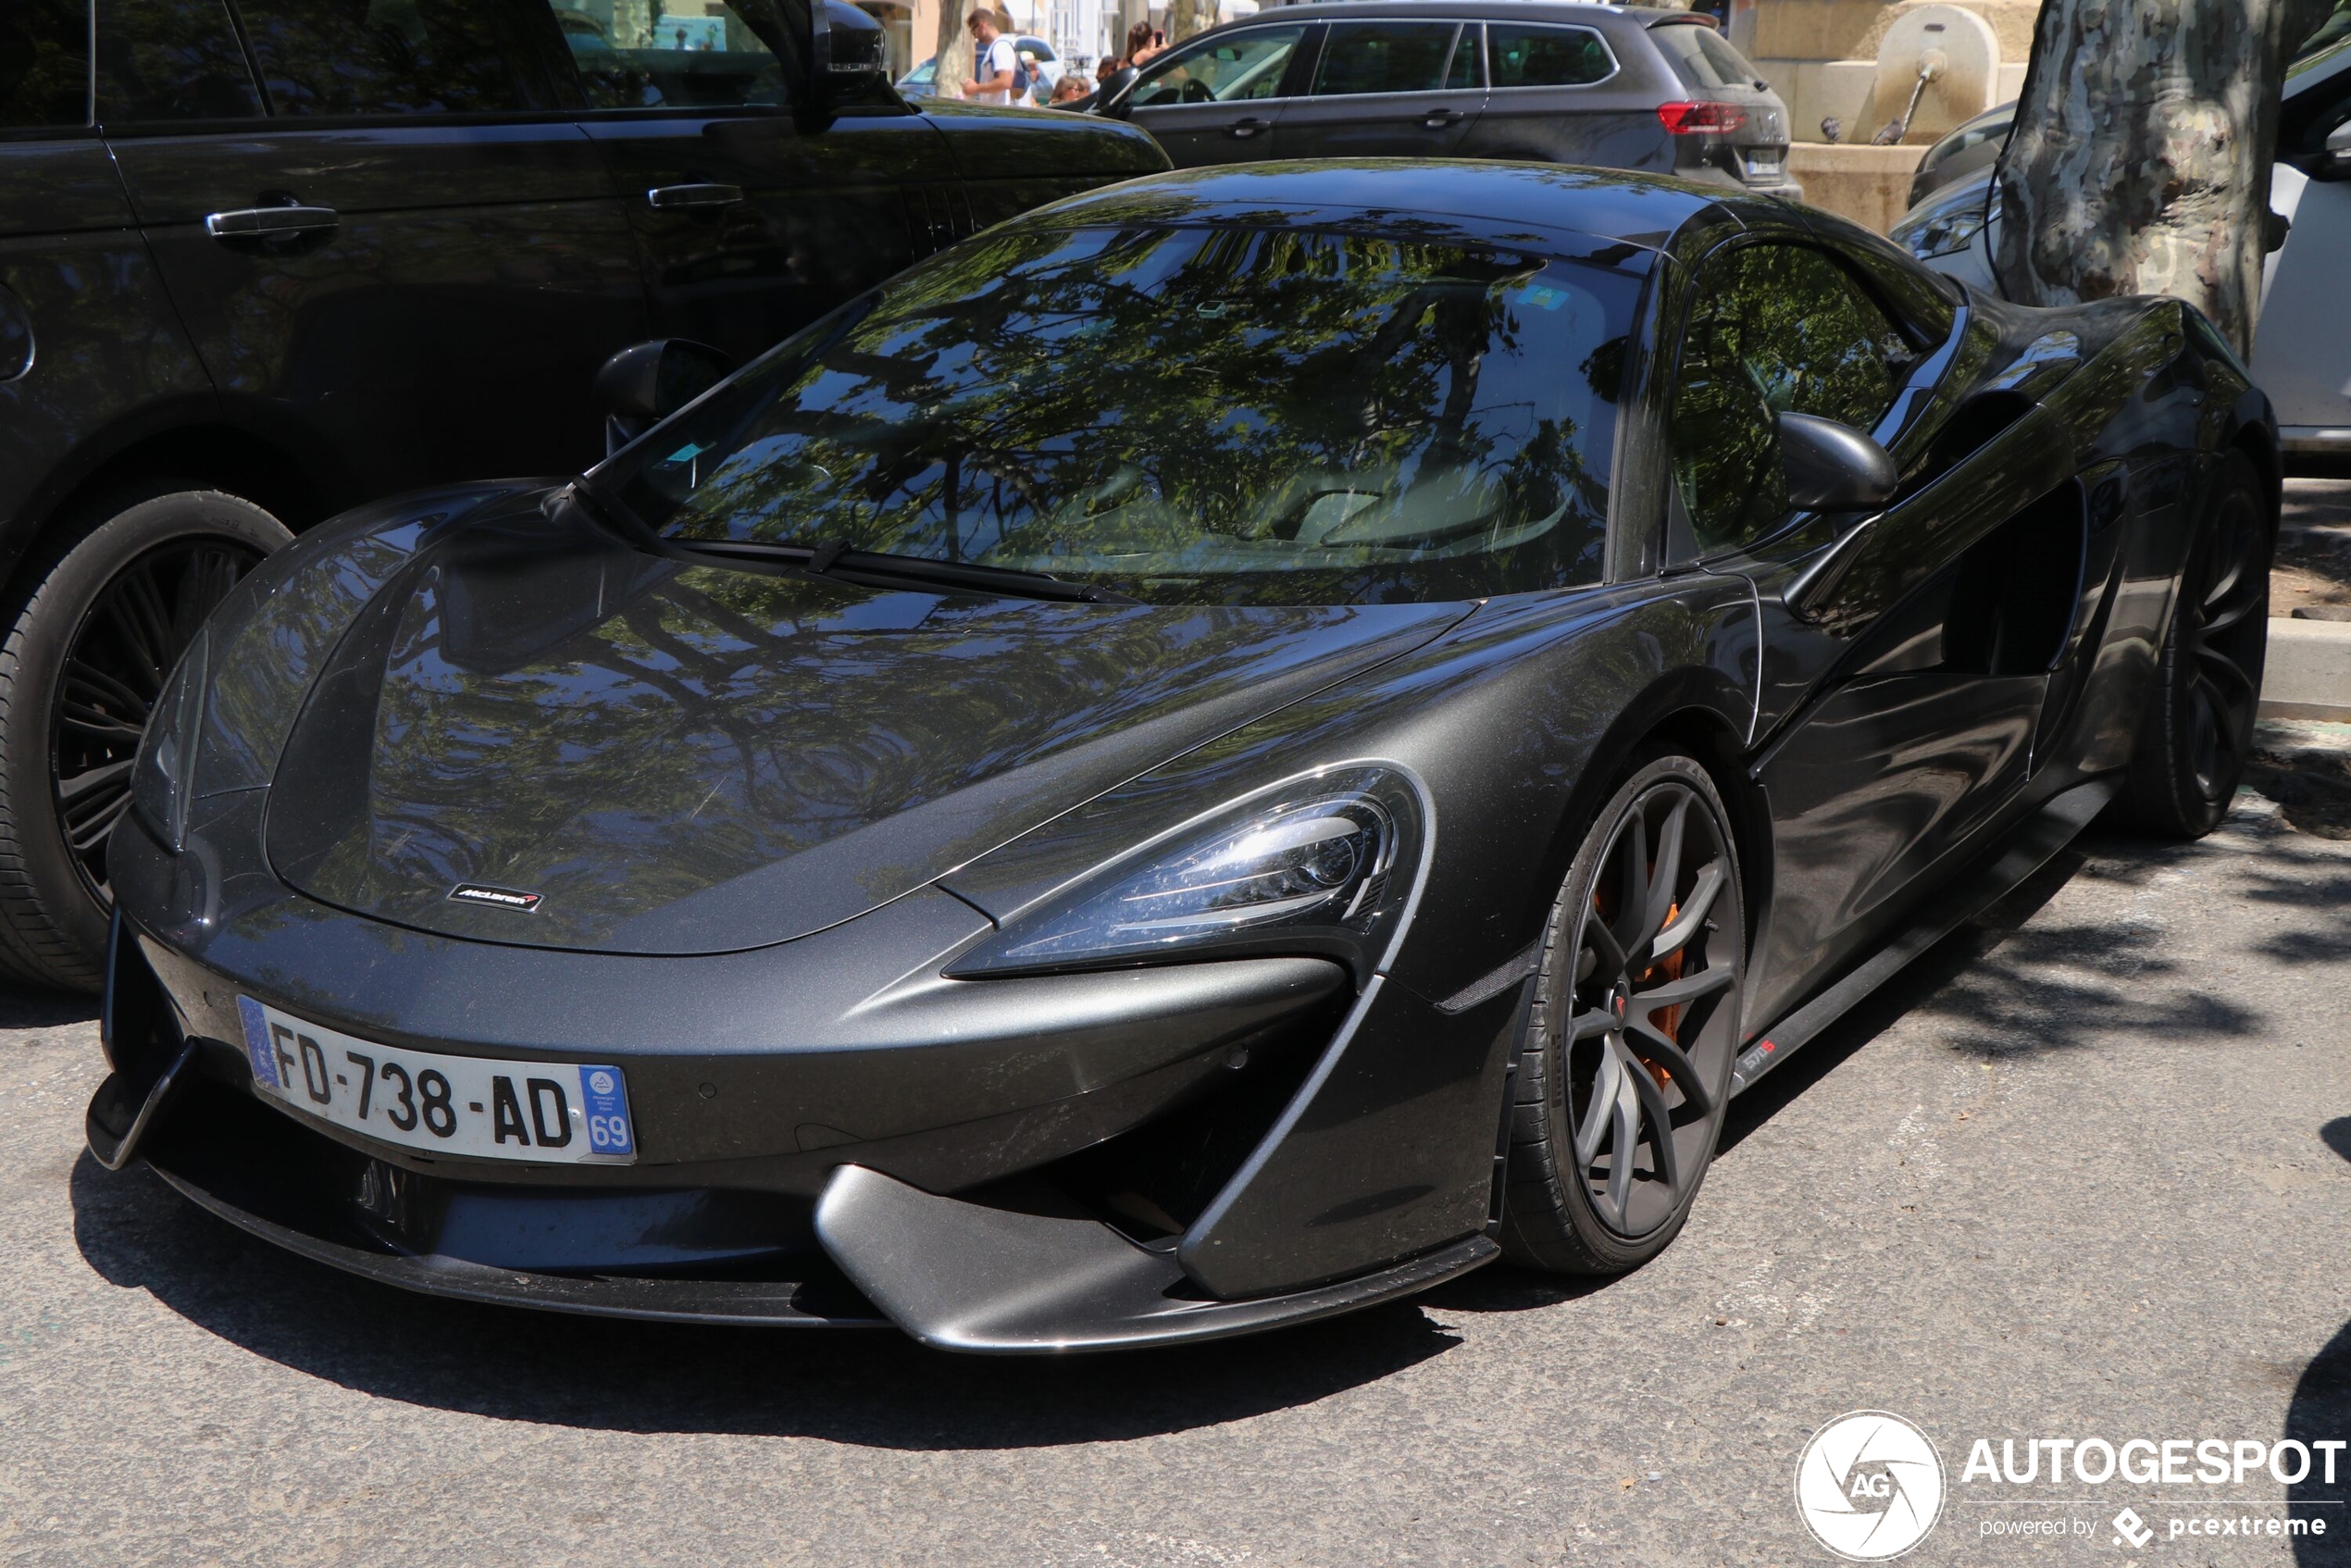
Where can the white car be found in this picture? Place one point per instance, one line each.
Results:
(2302, 345)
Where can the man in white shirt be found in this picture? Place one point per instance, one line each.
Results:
(995, 65)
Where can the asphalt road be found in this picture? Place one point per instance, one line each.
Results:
(2085, 1171)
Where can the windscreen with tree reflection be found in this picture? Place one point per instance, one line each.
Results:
(1209, 415)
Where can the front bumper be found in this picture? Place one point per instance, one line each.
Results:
(1020, 1268)
(804, 1115)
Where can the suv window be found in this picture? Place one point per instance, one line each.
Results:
(1547, 57)
(1244, 65)
(631, 58)
(1702, 58)
(1384, 57)
(45, 64)
(170, 60)
(1774, 327)
(394, 56)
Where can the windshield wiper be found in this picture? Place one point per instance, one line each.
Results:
(886, 569)
(834, 559)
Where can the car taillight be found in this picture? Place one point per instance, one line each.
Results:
(1691, 119)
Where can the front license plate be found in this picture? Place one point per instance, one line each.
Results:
(549, 1112)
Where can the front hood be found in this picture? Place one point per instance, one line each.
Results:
(678, 758)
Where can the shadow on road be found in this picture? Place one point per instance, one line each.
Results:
(26, 1009)
(2320, 1411)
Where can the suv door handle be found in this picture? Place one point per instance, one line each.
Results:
(246, 223)
(692, 198)
(1438, 119)
(1243, 129)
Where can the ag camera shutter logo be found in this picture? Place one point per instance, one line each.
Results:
(1869, 1486)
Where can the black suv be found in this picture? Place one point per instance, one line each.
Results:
(263, 259)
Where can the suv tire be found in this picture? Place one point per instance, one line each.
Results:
(88, 634)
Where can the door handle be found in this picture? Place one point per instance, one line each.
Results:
(1241, 129)
(701, 198)
(1438, 119)
(249, 223)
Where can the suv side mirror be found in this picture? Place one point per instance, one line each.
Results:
(1834, 467)
(848, 55)
(647, 383)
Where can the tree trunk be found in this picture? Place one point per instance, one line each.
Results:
(2140, 163)
(1188, 17)
(955, 49)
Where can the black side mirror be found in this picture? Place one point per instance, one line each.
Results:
(1115, 98)
(848, 56)
(647, 383)
(1834, 467)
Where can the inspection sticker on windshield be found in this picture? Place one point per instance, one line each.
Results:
(549, 1112)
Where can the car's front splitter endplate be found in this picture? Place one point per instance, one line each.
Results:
(962, 1275)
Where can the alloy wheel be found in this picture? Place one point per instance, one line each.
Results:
(1654, 1013)
(2225, 629)
(124, 650)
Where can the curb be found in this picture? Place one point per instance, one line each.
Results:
(2309, 672)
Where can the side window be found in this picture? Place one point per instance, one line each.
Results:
(1245, 65)
(162, 61)
(45, 64)
(1773, 328)
(1384, 57)
(637, 55)
(1547, 57)
(395, 56)
(1468, 68)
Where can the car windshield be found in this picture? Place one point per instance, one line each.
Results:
(1183, 415)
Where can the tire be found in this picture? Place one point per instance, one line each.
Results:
(1586, 1060)
(2198, 730)
(107, 610)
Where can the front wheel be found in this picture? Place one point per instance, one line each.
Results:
(1625, 1069)
(2199, 729)
(89, 639)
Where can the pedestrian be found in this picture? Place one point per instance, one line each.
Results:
(1143, 41)
(1071, 88)
(997, 76)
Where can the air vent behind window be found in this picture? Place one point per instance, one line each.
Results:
(937, 215)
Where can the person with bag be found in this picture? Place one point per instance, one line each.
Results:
(998, 75)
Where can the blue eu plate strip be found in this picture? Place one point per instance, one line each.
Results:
(605, 1094)
(265, 1062)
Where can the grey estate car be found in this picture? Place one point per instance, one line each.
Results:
(1616, 86)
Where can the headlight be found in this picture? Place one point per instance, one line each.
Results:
(163, 779)
(1324, 864)
(1941, 228)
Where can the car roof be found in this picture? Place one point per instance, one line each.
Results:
(1540, 10)
(1494, 199)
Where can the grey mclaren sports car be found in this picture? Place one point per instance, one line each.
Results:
(1225, 751)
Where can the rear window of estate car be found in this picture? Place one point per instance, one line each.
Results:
(1188, 414)
(1702, 58)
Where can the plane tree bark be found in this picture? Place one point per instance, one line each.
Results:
(954, 70)
(1188, 17)
(2140, 163)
